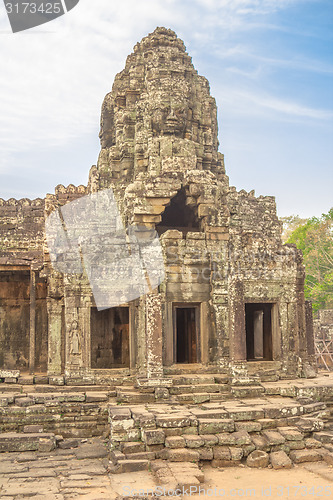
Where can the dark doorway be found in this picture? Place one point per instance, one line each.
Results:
(15, 322)
(110, 338)
(179, 215)
(186, 334)
(258, 321)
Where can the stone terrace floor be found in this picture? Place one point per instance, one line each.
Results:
(82, 472)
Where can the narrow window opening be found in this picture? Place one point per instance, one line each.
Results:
(258, 321)
(179, 215)
(110, 338)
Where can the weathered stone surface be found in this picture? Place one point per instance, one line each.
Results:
(206, 453)
(183, 455)
(173, 421)
(24, 442)
(194, 441)
(213, 426)
(273, 437)
(222, 452)
(131, 466)
(175, 442)
(153, 436)
(257, 459)
(248, 426)
(300, 456)
(280, 460)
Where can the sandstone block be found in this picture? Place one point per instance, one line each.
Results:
(257, 459)
(225, 438)
(194, 441)
(173, 421)
(300, 456)
(32, 428)
(295, 445)
(122, 425)
(273, 437)
(291, 433)
(206, 453)
(260, 442)
(46, 444)
(222, 452)
(325, 437)
(267, 423)
(128, 448)
(175, 442)
(153, 436)
(116, 456)
(248, 426)
(312, 443)
(280, 460)
(247, 449)
(214, 426)
(240, 414)
(182, 455)
(67, 444)
(132, 466)
(236, 453)
(210, 439)
(327, 456)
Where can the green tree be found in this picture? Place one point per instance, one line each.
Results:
(315, 239)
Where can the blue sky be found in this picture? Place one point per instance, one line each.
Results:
(269, 63)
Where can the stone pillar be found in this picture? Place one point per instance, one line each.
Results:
(154, 348)
(154, 336)
(54, 310)
(309, 328)
(310, 365)
(237, 334)
(32, 348)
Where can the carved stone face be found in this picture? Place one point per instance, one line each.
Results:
(168, 120)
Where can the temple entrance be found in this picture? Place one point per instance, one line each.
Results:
(110, 338)
(186, 333)
(23, 342)
(258, 322)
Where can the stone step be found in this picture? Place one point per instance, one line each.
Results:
(192, 368)
(199, 388)
(204, 397)
(248, 391)
(69, 388)
(135, 397)
(13, 441)
(325, 437)
(193, 379)
(129, 465)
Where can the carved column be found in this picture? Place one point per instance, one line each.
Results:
(32, 349)
(54, 310)
(237, 333)
(154, 336)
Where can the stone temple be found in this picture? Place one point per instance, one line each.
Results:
(214, 360)
(232, 301)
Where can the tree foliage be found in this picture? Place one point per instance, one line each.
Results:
(315, 238)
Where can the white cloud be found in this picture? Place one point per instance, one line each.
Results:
(53, 78)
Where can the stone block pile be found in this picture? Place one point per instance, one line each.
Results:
(276, 431)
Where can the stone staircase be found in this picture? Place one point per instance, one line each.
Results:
(227, 433)
(188, 389)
